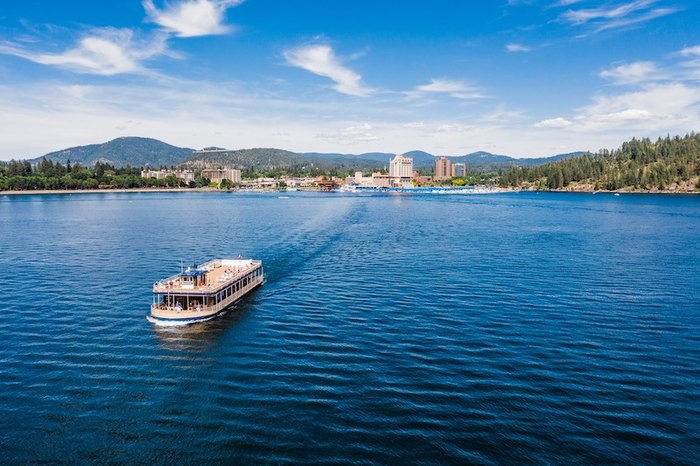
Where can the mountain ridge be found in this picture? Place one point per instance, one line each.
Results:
(140, 151)
(122, 151)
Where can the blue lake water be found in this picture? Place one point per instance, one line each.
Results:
(489, 329)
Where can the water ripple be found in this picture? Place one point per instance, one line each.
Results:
(519, 328)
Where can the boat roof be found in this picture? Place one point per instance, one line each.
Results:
(219, 274)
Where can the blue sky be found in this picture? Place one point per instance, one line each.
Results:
(518, 77)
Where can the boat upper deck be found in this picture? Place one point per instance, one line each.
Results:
(206, 278)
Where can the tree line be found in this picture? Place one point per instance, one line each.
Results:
(637, 164)
(23, 176)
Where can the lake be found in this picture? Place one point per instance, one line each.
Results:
(488, 329)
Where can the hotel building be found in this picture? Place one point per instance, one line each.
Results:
(217, 175)
(459, 170)
(443, 169)
(401, 171)
(185, 175)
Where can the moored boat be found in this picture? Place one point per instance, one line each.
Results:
(204, 291)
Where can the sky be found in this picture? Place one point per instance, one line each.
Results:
(525, 78)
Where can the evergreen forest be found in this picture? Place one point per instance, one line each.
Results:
(639, 164)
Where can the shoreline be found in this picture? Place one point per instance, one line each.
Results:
(214, 190)
(106, 191)
(603, 191)
(130, 190)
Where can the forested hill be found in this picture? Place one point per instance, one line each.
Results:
(256, 160)
(120, 152)
(668, 164)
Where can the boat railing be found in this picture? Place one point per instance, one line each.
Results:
(174, 283)
(206, 308)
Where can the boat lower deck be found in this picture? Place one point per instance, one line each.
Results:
(205, 292)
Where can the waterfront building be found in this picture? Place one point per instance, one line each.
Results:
(401, 167)
(185, 175)
(443, 169)
(459, 170)
(217, 175)
(381, 180)
(360, 180)
(401, 171)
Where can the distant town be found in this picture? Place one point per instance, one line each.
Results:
(401, 174)
(670, 164)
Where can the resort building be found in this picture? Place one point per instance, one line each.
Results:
(401, 167)
(459, 170)
(217, 175)
(185, 175)
(443, 169)
(400, 176)
(381, 180)
(401, 171)
(361, 180)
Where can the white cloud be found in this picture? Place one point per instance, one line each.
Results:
(630, 114)
(42, 117)
(691, 51)
(632, 73)
(191, 18)
(605, 12)
(414, 125)
(613, 17)
(655, 102)
(513, 47)
(103, 52)
(454, 128)
(656, 108)
(351, 135)
(502, 115)
(558, 122)
(457, 89)
(321, 60)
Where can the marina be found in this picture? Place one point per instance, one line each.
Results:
(202, 292)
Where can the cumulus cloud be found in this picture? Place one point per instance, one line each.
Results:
(102, 51)
(630, 114)
(191, 18)
(457, 89)
(658, 107)
(632, 73)
(320, 59)
(558, 122)
(660, 101)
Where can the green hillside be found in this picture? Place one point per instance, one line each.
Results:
(258, 160)
(668, 164)
(120, 152)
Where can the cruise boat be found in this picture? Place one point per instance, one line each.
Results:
(204, 291)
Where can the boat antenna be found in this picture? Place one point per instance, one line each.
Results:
(182, 267)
